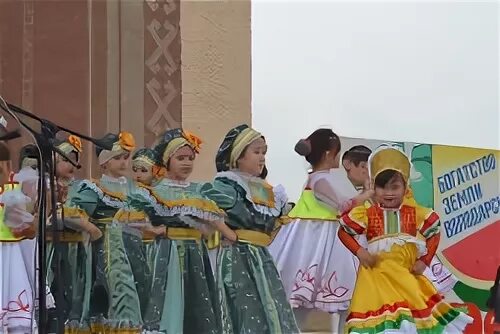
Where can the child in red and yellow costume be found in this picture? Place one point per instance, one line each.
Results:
(392, 295)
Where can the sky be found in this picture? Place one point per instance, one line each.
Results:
(422, 71)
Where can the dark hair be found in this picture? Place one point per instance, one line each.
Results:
(357, 154)
(315, 146)
(387, 176)
(264, 173)
(4, 152)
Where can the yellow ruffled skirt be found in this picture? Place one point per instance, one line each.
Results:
(388, 298)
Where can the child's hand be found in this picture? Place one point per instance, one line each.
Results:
(368, 191)
(365, 258)
(156, 230)
(93, 231)
(418, 268)
(367, 185)
(368, 194)
(232, 237)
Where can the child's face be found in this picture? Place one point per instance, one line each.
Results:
(391, 196)
(143, 175)
(64, 169)
(181, 164)
(356, 174)
(118, 166)
(253, 159)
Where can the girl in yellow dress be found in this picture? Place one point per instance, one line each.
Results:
(391, 294)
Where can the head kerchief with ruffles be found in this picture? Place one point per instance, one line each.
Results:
(122, 143)
(233, 145)
(72, 144)
(148, 158)
(172, 140)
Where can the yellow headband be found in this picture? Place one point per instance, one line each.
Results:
(105, 156)
(143, 161)
(245, 138)
(173, 146)
(389, 159)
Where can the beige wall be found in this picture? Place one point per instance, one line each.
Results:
(140, 66)
(216, 72)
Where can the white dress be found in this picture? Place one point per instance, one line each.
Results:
(17, 260)
(317, 270)
(16, 293)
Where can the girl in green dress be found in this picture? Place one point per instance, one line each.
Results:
(253, 298)
(74, 231)
(120, 275)
(183, 297)
(147, 167)
(147, 171)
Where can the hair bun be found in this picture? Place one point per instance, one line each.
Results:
(303, 147)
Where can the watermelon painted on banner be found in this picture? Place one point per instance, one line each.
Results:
(466, 195)
(463, 186)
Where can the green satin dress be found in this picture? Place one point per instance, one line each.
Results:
(183, 294)
(76, 269)
(253, 298)
(120, 278)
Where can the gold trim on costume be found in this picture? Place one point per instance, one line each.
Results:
(102, 221)
(253, 237)
(245, 138)
(259, 200)
(71, 212)
(213, 240)
(65, 236)
(128, 216)
(106, 329)
(181, 233)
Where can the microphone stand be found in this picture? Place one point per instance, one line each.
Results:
(45, 140)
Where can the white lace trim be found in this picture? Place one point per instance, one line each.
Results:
(108, 200)
(182, 210)
(280, 197)
(385, 244)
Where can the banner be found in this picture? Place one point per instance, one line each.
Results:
(463, 186)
